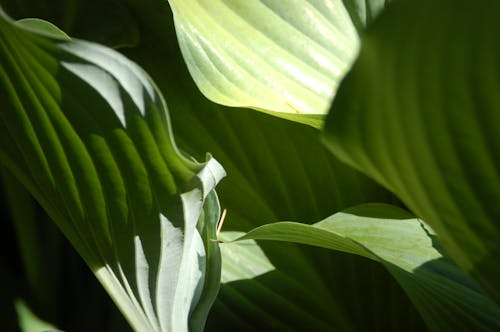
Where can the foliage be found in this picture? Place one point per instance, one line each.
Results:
(399, 233)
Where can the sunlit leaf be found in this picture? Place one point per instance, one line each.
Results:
(283, 57)
(86, 131)
(409, 251)
(324, 290)
(29, 322)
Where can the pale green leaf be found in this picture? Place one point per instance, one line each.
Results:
(274, 56)
(29, 322)
(403, 244)
(420, 113)
(86, 131)
(242, 260)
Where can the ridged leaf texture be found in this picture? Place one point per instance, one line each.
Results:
(283, 57)
(420, 113)
(277, 170)
(87, 132)
(411, 253)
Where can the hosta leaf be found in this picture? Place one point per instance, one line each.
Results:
(420, 113)
(86, 131)
(260, 293)
(277, 170)
(391, 236)
(283, 57)
(245, 260)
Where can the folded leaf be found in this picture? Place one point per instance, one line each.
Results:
(280, 57)
(86, 131)
(443, 294)
(420, 113)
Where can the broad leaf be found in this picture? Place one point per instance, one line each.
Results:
(391, 236)
(242, 260)
(283, 57)
(247, 190)
(260, 293)
(323, 289)
(318, 287)
(86, 131)
(420, 113)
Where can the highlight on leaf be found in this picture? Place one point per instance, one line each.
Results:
(88, 133)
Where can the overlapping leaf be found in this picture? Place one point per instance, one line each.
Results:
(330, 289)
(420, 113)
(323, 289)
(87, 132)
(255, 192)
(280, 56)
(391, 236)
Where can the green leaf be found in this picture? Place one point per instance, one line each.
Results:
(43, 27)
(256, 191)
(274, 56)
(28, 321)
(277, 170)
(86, 131)
(439, 289)
(364, 12)
(242, 260)
(263, 291)
(419, 113)
(39, 247)
(40, 267)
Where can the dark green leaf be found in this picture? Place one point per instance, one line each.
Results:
(420, 113)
